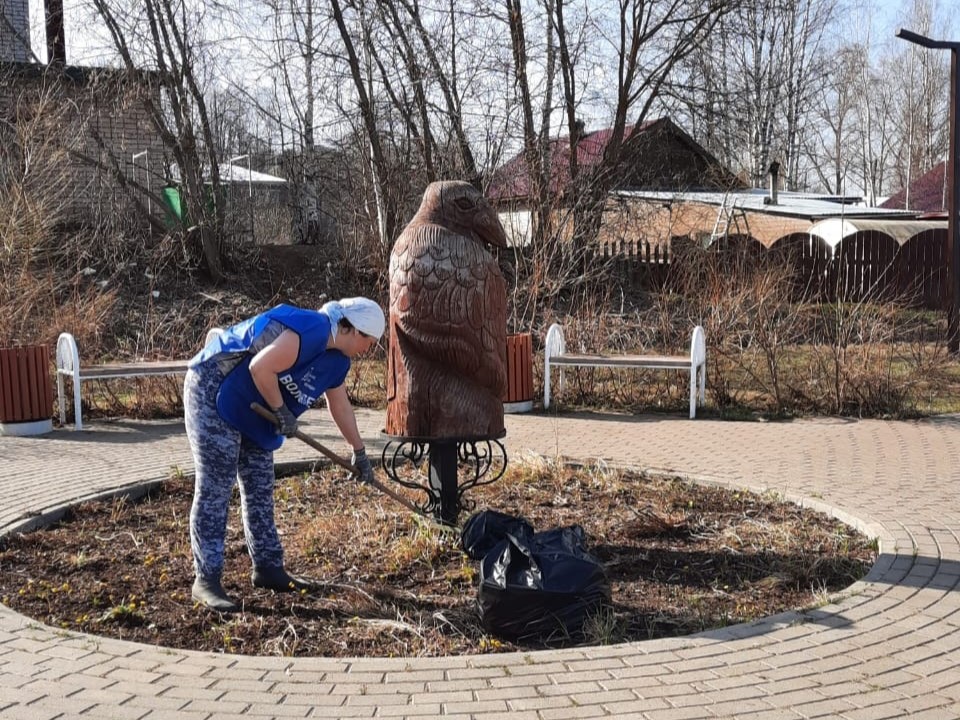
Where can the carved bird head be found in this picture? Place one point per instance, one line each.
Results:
(460, 207)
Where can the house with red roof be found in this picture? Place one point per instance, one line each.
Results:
(669, 186)
(669, 191)
(660, 156)
(926, 194)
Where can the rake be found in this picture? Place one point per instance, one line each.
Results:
(344, 463)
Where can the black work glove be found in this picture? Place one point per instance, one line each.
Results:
(362, 463)
(286, 421)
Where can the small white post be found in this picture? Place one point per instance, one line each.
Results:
(146, 155)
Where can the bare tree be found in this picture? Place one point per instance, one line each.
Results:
(535, 130)
(759, 78)
(287, 41)
(831, 143)
(804, 73)
(921, 116)
(649, 42)
(874, 142)
(443, 76)
(386, 204)
(160, 42)
(706, 100)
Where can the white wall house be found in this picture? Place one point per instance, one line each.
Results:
(516, 226)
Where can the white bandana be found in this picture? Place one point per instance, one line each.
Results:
(364, 314)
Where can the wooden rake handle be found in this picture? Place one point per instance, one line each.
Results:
(339, 460)
(300, 435)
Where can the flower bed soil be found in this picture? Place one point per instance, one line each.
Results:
(681, 558)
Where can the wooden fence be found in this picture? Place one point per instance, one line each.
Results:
(866, 265)
(640, 264)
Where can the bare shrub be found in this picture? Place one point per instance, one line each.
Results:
(767, 353)
(41, 291)
(71, 254)
(743, 300)
(855, 364)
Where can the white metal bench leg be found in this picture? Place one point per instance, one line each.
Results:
(698, 364)
(60, 401)
(553, 345)
(693, 392)
(68, 364)
(77, 416)
(546, 384)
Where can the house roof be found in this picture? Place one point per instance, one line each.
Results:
(34, 71)
(744, 213)
(789, 204)
(240, 174)
(234, 174)
(928, 193)
(76, 74)
(512, 182)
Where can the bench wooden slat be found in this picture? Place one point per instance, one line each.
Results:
(116, 370)
(636, 361)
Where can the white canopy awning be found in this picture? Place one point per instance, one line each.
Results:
(833, 230)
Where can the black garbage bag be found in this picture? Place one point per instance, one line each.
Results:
(542, 587)
(488, 528)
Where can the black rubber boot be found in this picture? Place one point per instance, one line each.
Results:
(209, 592)
(278, 579)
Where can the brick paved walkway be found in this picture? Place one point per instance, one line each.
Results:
(888, 648)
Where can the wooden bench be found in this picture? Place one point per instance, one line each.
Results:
(555, 355)
(68, 366)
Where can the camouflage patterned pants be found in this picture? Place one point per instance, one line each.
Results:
(221, 456)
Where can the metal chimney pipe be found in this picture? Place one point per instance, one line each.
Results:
(56, 38)
(579, 130)
(774, 181)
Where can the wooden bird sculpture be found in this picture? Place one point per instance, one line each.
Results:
(448, 305)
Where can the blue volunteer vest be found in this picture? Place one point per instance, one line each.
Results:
(315, 371)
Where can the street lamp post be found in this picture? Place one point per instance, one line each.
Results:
(230, 162)
(953, 187)
(146, 155)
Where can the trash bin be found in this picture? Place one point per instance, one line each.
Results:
(519, 396)
(26, 391)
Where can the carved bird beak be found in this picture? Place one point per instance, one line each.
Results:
(490, 230)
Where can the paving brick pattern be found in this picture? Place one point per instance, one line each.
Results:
(889, 647)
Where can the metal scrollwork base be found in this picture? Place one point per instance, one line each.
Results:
(444, 470)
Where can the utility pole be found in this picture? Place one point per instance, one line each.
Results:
(953, 188)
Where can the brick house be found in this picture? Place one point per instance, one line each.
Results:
(14, 31)
(90, 123)
(96, 121)
(747, 214)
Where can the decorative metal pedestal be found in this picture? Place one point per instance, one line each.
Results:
(453, 466)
